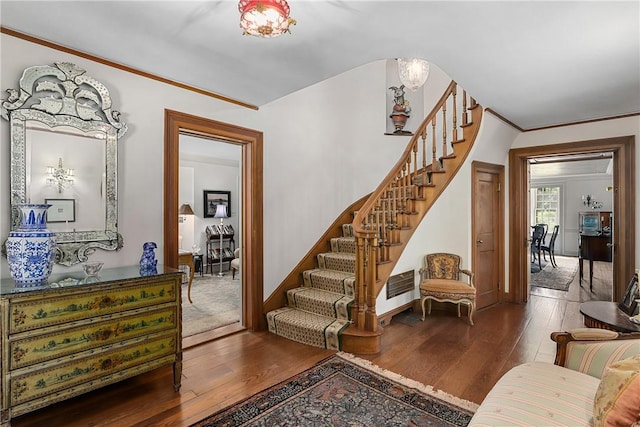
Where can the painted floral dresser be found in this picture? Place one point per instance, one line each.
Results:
(78, 333)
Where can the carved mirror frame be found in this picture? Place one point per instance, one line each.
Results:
(63, 95)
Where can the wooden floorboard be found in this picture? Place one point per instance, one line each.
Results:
(443, 351)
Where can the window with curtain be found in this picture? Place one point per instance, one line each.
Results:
(546, 205)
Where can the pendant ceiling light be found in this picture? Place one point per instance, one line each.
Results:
(413, 72)
(265, 18)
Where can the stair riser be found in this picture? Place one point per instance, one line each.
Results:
(306, 329)
(338, 262)
(330, 281)
(343, 244)
(324, 304)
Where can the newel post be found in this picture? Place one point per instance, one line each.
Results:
(363, 311)
(371, 318)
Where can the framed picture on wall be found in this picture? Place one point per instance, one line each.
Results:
(214, 198)
(628, 304)
(61, 210)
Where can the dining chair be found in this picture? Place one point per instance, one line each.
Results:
(550, 248)
(544, 233)
(536, 243)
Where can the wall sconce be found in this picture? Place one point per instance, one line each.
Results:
(590, 202)
(59, 176)
(413, 72)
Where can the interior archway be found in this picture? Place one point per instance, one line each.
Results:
(177, 123)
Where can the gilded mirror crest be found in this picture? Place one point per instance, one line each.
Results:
(59, 114)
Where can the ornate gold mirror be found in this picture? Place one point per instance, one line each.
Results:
(64, 143)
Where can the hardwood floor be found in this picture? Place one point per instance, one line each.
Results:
(443, 351)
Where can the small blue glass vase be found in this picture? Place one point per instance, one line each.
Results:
(31, 247)
(148, 261)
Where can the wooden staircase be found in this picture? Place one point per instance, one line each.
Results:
(387, 218)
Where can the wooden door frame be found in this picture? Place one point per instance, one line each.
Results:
(477, 167)
(624, 177)
(177, 123)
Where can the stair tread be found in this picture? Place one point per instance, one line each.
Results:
(307, 316)
(321, 293)
(307, 328)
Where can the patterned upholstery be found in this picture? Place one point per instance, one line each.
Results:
(539, 394)
(443, 266)
(592, 357)
(545, 394)
(441, 282)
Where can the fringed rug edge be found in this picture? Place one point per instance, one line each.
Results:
(424, 388)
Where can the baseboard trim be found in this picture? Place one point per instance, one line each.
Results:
(385, 319)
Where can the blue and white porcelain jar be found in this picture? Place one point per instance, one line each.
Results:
(30, 247)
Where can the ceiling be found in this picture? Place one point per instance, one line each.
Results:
(534, 63)
(572, 166)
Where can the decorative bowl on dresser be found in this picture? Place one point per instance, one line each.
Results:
(75, 334)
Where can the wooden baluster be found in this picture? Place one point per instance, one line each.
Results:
(402, 203)
(423, 136)
(454, 135)
(392, 213)
(444, 129)
(396, 203)
(377, 219)
(465, 119)
(434, 164)
(415, 160)
(383, 246)
(408, 196)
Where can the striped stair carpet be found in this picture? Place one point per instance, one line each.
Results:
(320, 310)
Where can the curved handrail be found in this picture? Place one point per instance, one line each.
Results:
(359, 219)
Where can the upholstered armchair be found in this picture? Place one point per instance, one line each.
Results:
(235, 263)
(441, 282)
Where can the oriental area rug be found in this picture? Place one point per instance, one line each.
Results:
(558, 278)
(217, 302)
(343, 390)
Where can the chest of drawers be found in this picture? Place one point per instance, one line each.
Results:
(77, 334)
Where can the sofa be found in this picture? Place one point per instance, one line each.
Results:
(594, 381)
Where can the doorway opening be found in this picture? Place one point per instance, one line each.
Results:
(210, 177)
(250, 241)
(623, 234)
(562, 190)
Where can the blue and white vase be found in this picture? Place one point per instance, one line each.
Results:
(31, 247)
(148, 261)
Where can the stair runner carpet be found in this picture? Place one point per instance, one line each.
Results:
(319, 311)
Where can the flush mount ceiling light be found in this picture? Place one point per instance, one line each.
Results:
(413, 72)
(265, 18)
